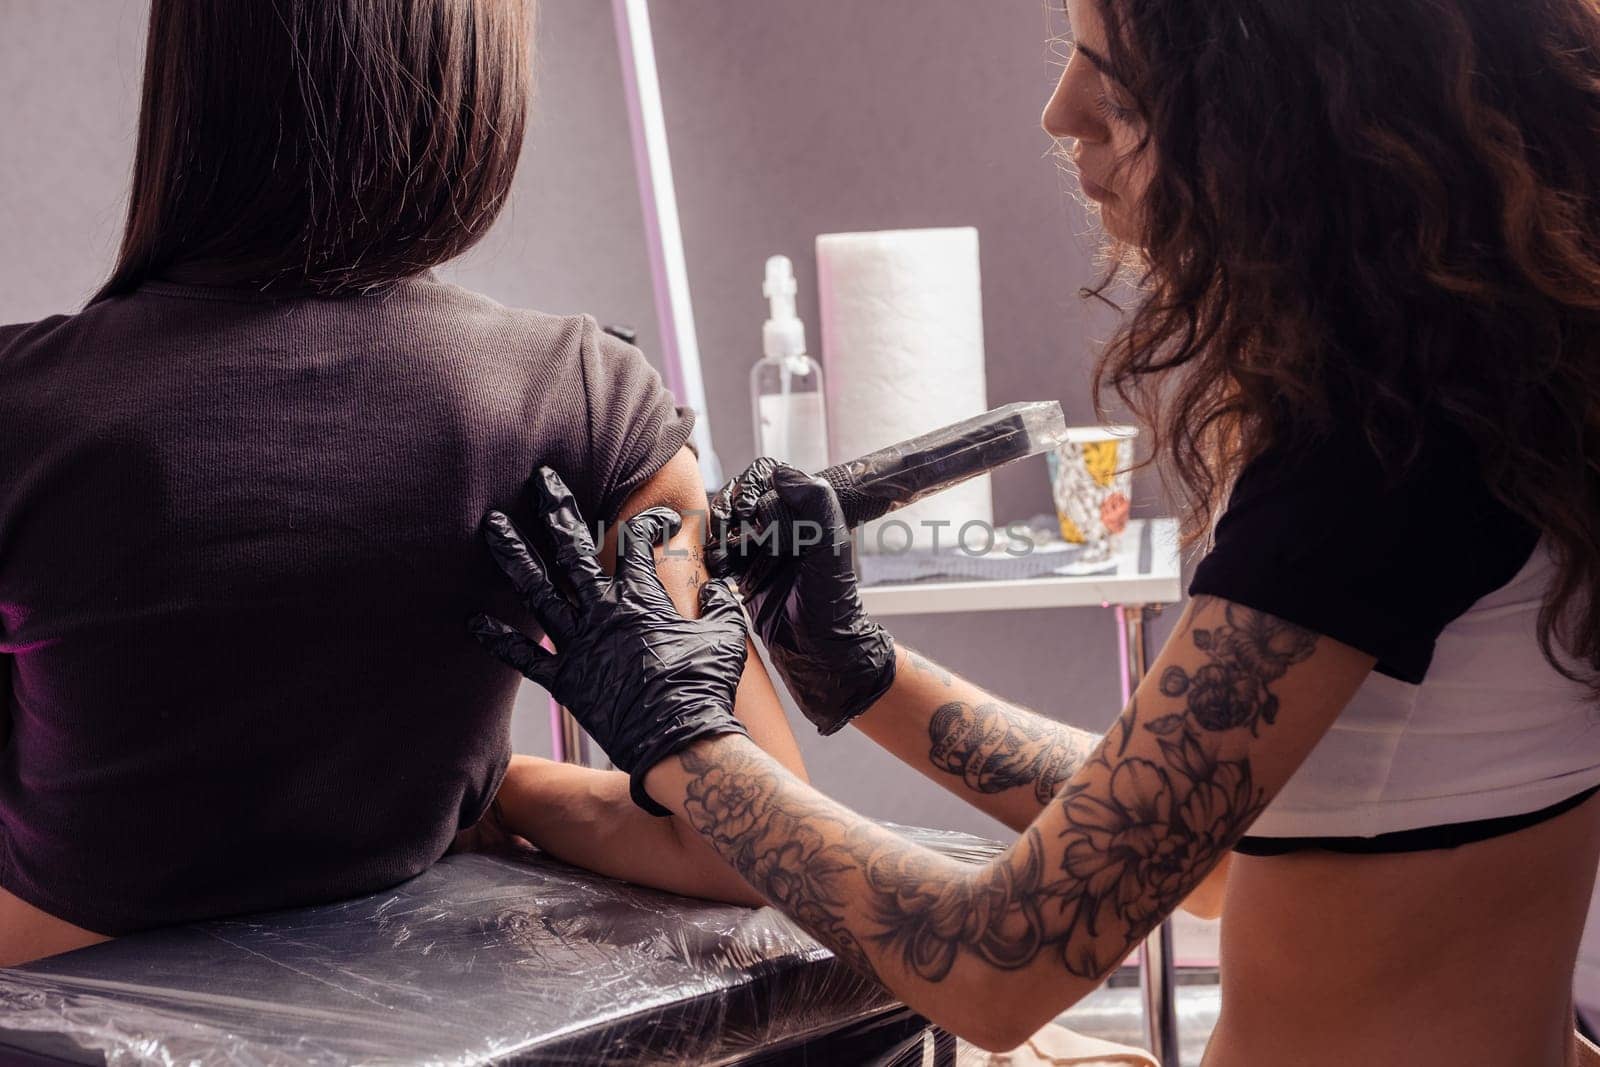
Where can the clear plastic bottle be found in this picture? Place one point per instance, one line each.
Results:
(786, 386)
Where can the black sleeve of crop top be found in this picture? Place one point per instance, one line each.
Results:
(1316, 536)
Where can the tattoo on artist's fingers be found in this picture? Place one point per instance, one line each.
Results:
(575, 551)
(514, 648)
(527, 574)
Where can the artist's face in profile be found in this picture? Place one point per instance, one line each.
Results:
(1095, 114)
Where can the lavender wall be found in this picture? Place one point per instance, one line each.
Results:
(69, 79)
(790, 120)
(786, 120)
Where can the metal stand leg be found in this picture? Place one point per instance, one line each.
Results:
(1157, 977)
(1158, 981)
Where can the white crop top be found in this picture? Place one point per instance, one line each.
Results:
(1463, 720)
(1492, 730)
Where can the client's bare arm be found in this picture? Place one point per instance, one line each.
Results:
(585, 816)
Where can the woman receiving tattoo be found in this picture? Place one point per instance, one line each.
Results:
(1366, 237)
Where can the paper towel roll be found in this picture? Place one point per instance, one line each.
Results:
(902, 352)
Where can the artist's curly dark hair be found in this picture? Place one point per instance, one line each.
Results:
(1391, 202)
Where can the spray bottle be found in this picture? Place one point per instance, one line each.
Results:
(786, 386)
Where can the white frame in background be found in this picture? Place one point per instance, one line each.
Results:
(658, 198)
(680, 355)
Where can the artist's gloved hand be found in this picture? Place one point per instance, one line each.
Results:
(800, 585)
(642, 680)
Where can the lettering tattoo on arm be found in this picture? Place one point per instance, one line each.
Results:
(1135, 844)
(696, 569)
(689, 563)
(994, 747)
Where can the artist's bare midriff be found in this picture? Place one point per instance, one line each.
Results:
(1429, 959)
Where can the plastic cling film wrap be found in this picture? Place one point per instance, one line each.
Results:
(907, 472)
(891, 478)
(480, 959)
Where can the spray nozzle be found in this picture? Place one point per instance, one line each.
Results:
(785, 334)
(780, 287)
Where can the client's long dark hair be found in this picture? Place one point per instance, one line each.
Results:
(329, 146)
(1394, 201)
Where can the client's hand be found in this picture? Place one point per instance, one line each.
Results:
(641, 679)
(800, 584)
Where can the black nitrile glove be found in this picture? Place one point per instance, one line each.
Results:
(642, 680)
(800, 585)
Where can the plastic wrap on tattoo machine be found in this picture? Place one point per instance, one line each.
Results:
(901, 474)
(479, 959)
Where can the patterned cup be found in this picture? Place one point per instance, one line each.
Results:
(1092, 476)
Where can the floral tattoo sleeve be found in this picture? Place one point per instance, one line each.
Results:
(1128, 841)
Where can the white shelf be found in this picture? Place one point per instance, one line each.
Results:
(1157, 582)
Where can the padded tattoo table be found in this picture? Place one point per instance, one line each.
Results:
(480, 959)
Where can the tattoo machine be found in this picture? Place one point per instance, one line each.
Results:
(890, 478)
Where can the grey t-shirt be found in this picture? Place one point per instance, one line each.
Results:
(238, 545)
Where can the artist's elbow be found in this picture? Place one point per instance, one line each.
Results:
(996, 1036)
(996, 1020)
(999, 1031)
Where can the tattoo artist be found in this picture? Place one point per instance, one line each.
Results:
(990, 952)
(1369, 237)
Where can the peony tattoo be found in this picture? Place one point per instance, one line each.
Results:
(1132, 833)
(1248, 652)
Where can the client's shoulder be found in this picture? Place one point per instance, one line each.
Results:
(487, 320)
(17, 337)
